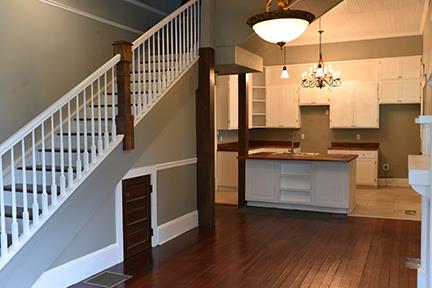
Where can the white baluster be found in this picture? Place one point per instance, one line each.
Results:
(183, 40)
(113, 105)
(100, 143)
(86, 153)
(198, 27)
(70, 164)
(155, 92)
(188, 35)
(144, 86)
(26, 217)
(195, 29)
(159, 75)
(93, 143)
(137, 106)
(171, 60)
(164, 78)
(44, 174)
(62, 150)
(150, 72)
(3, 236)
(14, 225)
(53, 164)
(78, 131)
(134, 83)
(35, 205)
(106, 132)
(177, 45)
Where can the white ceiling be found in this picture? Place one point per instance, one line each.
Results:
(368, 19)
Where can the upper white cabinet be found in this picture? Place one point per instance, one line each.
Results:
(227, 102)
(400, 80)
(314, 96)
(282, 110)
(355, 105)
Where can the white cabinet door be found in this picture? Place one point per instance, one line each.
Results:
(390, 68)
(366, 105)
(333, 185)
(322, 96)
(366, 172)
(260, 180)
(341, 107)
(273, 106)
(410, 67)
(314, 96)
(306, 96)
(390, 91)
(290, 109)
(233, 102)
(410, 91)
(227, 169)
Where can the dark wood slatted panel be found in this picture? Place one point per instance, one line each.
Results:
(136, 215)
(262, 248)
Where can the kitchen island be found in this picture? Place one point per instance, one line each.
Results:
(302, 181)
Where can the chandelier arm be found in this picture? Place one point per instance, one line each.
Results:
(268, 5)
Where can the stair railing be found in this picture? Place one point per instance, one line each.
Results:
(52, 153)
(162, 54)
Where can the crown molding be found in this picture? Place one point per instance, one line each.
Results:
(147, 7)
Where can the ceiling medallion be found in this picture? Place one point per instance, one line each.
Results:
(319, 75)
(280, 26)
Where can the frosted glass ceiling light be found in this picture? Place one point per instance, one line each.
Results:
(280, 26)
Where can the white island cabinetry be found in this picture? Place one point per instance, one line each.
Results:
(326, 186)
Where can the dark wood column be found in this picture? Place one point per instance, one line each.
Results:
(205, 138)
(124, 119)
(243, 137)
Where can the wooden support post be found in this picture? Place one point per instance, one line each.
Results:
(205, 139)
(124, 119)
(243, 137)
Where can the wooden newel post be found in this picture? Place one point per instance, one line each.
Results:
(124, 119)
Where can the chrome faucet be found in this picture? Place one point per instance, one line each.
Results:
(298, 134)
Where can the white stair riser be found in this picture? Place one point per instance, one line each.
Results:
(39, 179)
(19, 199)
(9, 225)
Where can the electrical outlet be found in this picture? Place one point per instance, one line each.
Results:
(358, 137)
(302, 136)
(386, 167)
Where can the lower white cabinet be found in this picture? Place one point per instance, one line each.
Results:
(309, 185)
(227, 170)
(367, 166)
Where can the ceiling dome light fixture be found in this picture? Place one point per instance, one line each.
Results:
(319, 75)
(280, 26)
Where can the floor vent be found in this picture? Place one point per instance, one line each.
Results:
(410, 212)
(107, 279)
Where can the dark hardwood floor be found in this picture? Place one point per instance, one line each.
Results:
(266, 248)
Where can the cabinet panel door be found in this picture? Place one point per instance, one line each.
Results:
(306, 96)
(341, 107)
(366, 105)
(260, 181)
(332, 191)
(410, 67)
(390, 91)
(227, 169)
(273, 106)
(390, 68)
(322, 96)
(290, 109)
(410, 91)
(366, 171)
(233, 102)
(222, 99)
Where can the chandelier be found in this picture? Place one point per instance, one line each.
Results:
(319, 75)
(280, 26)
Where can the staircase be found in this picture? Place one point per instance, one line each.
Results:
(43, 163)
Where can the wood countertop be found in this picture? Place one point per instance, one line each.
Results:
(255, 144)
(287, 156)
(354, 146)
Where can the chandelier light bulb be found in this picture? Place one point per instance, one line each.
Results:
(319, 72)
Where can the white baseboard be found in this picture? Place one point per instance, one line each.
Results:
(176, 227)
(393, 182)
(79, 269)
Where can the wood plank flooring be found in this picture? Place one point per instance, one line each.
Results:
(253, 247)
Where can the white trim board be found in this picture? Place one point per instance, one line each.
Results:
(76, 270)
(91, 16)
(393, 182)
(147, 7)
(176, 227)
